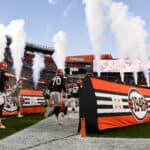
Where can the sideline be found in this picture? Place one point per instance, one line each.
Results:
(49, 136)
(43, 132)
(50, 141)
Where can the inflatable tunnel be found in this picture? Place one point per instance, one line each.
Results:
(107, 105)
(32, 101)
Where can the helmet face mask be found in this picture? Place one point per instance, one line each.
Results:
(60, 72)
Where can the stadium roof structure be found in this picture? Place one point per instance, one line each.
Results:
(39, 48)
(33, 47)
(86, 58)
(80, 58)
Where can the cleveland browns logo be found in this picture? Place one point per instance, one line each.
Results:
(10, 105)
(137, 104)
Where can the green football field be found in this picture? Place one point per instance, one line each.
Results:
(15, 124)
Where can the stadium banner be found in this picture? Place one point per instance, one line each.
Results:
(32, 101)
(107, 105)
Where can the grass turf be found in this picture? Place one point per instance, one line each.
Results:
(14, 124)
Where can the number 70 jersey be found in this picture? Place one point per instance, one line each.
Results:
(58, 83)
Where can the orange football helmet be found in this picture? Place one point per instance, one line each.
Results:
(3, 65)
(80, 82)
(60, 72)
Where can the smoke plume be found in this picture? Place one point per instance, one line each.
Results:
(38, 65)
(17, 47)
(129, 32)
(94, 11)
(52, 2)
(69, 6)
(3, 41)
(60, 45)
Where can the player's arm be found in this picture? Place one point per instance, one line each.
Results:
(50, 87)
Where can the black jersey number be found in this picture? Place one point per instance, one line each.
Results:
(57, 81)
